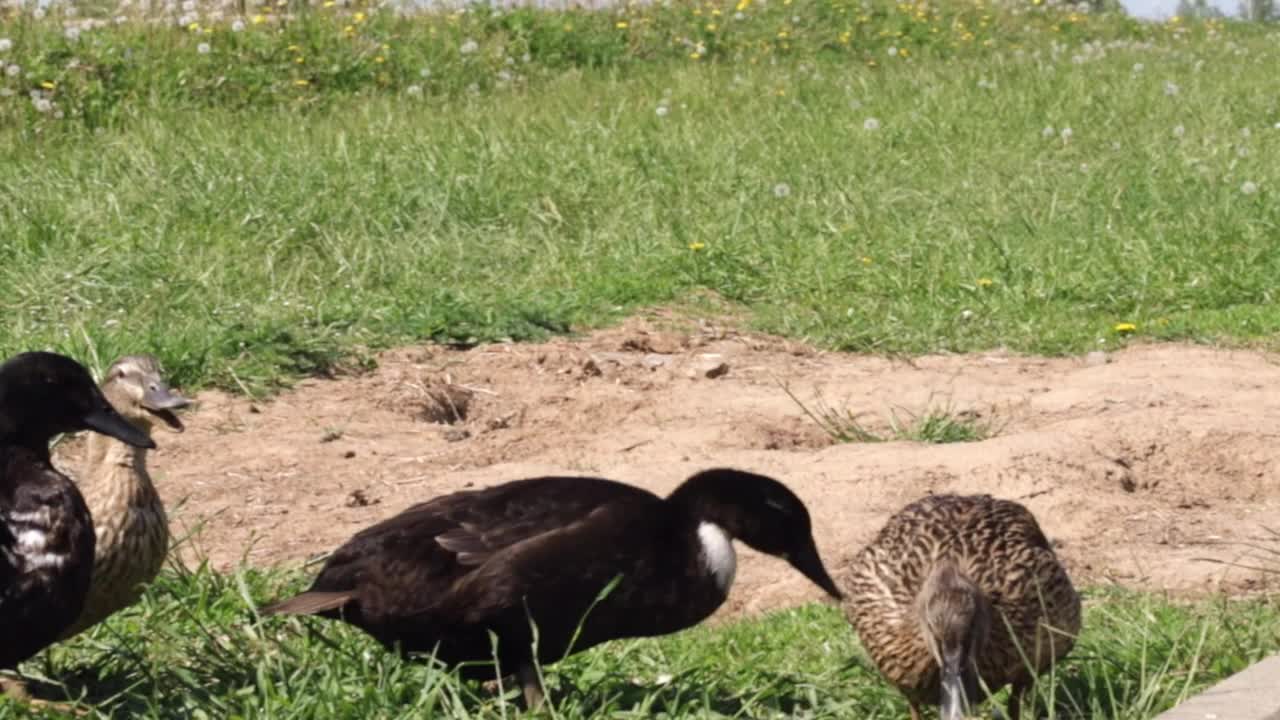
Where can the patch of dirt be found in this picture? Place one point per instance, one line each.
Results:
(1137, 466)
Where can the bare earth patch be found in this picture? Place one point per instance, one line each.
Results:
(1137, 466)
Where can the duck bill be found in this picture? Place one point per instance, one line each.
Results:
(107, 421)
(161, 402)
(954, 703)
(810, 565)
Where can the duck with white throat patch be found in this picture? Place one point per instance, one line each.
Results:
(443, 575)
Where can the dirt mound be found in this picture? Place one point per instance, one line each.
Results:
(1137, 464)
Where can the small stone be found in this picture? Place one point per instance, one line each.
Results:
(1096, 358)
(591, 369)
(358, 498)
(455, 434)
(349, 454)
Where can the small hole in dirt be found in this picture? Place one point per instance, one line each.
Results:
(447, 404)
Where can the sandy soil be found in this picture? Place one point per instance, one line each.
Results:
(1138, 463)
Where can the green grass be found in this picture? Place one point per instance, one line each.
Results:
(194, 647)
(936, 424)
(248, 230)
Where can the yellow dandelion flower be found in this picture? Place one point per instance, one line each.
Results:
(301, 82)
(329, 3)
(866, 260)
(695, 55)
(568, 27)
(696, 246)
(257, 19)
(903, 52)
(293, 48)
(359, 17)
(742, 5)
(1125, 328)
(299, 60)
(379, 59)
(194, 27)
(48, 84)
(621, 24)
(985, 282)
(350, 30)
(711, 27)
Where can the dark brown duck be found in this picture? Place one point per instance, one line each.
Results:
(960, 589)
(46, 533)
(444, 574)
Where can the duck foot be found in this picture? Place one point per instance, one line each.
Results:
(530, 686)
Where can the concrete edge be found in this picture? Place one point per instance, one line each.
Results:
(1251, 694)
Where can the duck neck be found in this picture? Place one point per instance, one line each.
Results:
(115, 469)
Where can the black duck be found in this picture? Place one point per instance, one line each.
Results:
(46, 532)
(444, 574)
(957, 589)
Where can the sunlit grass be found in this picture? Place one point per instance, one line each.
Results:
(196, 648)
(1056, 191)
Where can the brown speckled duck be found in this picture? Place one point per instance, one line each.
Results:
(960, 588)
(46, 532)
(443, 575)
(128, 517)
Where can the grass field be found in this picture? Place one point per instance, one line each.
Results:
(258, 197)
(1038, 179)
(195, 648)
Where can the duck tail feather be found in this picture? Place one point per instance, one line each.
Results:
(309, 603)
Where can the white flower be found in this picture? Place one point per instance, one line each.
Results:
(1138, 67)
(1246, 133)
(42, 104)
(662, 110)
(1276, 126)
(38, 13)
(5, 44)
(504, 76)
(1170, 89)
(1249, 187)
(781, 190)
(1066, 134)
(237, 26)
(469, 47)
(203, 48)
(12, 70)
(1047, 132)
(739, 16)
(1179, 131)
(413, 90)
(871, 124)
(893, 51)
(424, 73)
(72, 33)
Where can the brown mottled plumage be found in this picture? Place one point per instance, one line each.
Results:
(128, 517)
(961, 583)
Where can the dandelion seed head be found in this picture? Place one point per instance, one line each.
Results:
(1139, 67)
(237, 26)
(1246, 133)
(781, 190)
(72, 33)
(1048, 131)
(1249, 187)
(469, 46)
(1179, 131)
(1171, 89)
(203, 48)
(6, 44)
(414, 90)
(41, 104)
(662, 110)
(893, 51)
(1066, 133)
(871, 124)
(12, 70)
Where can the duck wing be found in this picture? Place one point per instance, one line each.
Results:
(414, 557)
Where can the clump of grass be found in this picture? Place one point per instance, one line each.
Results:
(936, 424)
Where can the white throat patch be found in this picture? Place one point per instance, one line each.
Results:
(718, 554)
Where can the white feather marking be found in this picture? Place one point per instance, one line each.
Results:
(718, 554)
(32, 540)
(40, 517)
(44, 560)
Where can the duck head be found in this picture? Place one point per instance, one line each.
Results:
(136, 387)
(43, 394)
(955, 617)
(761, 512)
